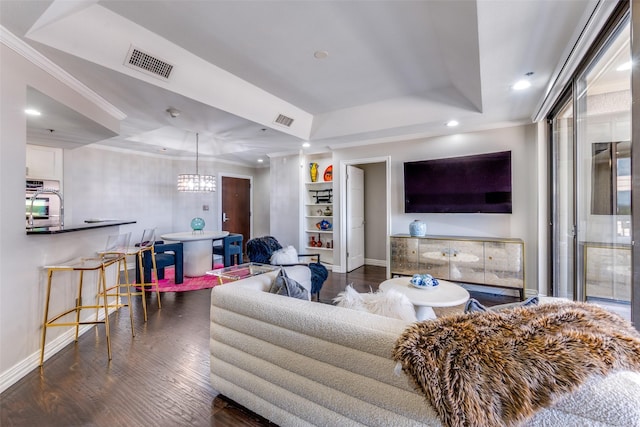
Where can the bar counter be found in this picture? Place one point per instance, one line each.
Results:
(77, 227)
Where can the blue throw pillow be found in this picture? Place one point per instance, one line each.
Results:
(473, 305)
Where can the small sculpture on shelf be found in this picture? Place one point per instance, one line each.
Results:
(328, 211)
(323, 196)
(313, 242)
(328, 173)
(324, 225)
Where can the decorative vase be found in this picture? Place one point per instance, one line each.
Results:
(418, 228)
(328, 173)
(313, 171)
(197, 224)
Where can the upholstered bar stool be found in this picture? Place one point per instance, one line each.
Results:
(82, 265)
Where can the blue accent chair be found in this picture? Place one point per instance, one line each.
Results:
(166, 254)
(231, 246)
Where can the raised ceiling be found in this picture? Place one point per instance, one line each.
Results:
(392, 69)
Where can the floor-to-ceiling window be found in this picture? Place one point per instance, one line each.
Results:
(591, 159)
(563, 212)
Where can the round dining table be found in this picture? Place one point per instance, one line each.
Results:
(198, 249)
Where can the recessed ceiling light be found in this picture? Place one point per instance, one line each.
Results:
(306, 145)
(624, 67)
(521, 85)
(260, 160)
(32, 112)
(452, 123)
(320, 54)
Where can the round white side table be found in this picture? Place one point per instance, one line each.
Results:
(446, 294)
(198, 249)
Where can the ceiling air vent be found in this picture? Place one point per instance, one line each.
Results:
(141, 61)
(283, 120)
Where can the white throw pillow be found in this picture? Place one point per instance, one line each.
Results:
(284, 256)
(390, 303)
(350, 298)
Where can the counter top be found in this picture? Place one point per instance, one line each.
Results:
(77, 227)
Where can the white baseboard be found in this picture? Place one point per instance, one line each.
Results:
(376, 262)
(22, 368)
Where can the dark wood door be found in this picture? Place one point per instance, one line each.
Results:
(236, 206)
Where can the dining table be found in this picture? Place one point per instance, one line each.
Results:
(197, 248)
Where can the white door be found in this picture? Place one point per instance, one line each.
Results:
(355, 218)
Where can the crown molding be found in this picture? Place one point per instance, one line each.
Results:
(39, 60)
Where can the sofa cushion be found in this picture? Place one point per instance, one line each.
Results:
(390, 303)
(287, 255)
(284, 285)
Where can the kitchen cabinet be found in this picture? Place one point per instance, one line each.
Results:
(44, 162)
(483, 261)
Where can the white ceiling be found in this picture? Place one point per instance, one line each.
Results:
(395, 69)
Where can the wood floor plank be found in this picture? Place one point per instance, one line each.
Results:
(159, 378)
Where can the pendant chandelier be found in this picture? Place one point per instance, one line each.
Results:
(196, 183)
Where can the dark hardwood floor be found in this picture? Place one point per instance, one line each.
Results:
(159, 378)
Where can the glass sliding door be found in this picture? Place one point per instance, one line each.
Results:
(563, 215)
(603, 176)
(591, 227)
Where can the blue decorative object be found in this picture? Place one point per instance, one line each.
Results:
(418, 228)
(424, 281)
(197, 224)
(323, 225)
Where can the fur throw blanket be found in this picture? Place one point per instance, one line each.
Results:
(498, 368)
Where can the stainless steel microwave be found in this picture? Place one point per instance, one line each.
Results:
(45, 207)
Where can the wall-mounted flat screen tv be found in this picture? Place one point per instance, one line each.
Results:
(470, 184)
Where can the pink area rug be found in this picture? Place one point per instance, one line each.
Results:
(190, 283)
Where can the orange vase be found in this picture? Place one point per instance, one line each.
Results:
(328, 173)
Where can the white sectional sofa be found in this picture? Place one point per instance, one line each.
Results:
(302, 363)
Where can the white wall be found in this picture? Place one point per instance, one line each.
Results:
(261, 202)
(522, 223)
(21, 256)
(286, 181)
(98, 183)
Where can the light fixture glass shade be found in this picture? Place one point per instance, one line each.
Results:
(196, 183)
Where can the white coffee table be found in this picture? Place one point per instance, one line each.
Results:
(198, 249)
(446, 294)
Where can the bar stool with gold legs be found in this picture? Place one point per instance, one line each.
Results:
(81, 266)
(119, 245)
(147, 245)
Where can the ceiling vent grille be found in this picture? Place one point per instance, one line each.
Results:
(283, 120)
(141, 61)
